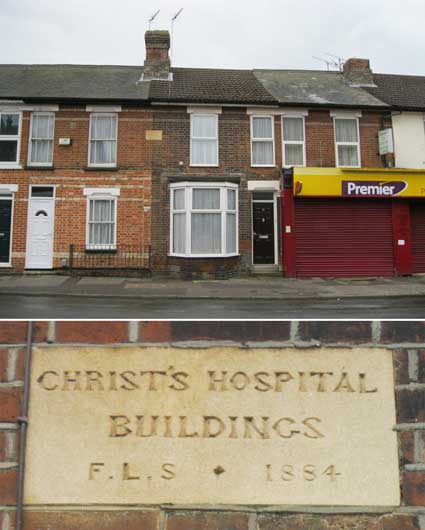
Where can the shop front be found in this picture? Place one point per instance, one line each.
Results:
(353, 223)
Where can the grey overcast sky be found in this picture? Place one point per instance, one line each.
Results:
(217, 33)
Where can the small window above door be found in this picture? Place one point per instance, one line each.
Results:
(42, 191)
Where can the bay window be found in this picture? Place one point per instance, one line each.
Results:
(347, 142)
(262, 141)
(293, 139)
(41, 139)
(203, 140)
(204, 219)
(103, 139)
(10, 132)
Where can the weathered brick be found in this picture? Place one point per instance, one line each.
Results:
(414, 488)
(410, 405)
(8, 486)
(39, 331)
(13, 332)
(91, 332)
(407, 448)
(4, 363)
(401, 367)
(91, 520)
(421, 446)
(421, 366)
(20, 364)
(10, 403)
(400, 522)
(284, 521)
(348, 332)
(236, 331)
(397, 332)
(207, 521)
(154, 331)
(3, 447)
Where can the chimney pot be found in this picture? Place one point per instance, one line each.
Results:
(358, 72)
(157, 62)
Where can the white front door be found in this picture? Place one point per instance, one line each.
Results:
(41, 216)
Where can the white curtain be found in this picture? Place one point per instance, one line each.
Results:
(262, 153)
(178, 200)
(293, 129)
(348, 155)
(346, 130)
(294, 155)
(230, 233)
(204, 126)
(179, 233)
(204, 152)
(231, 199)
(262, 128)
(42, 139)
(103, 140)
(206, 233)
(101, 222)
(206, 199)
(204, 140)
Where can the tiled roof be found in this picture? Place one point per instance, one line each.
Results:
(315, 88)
(203, 85)
(60, 82)
(401, 91)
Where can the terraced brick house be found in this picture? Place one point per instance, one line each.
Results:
(207, 172)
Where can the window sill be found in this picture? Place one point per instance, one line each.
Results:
(10, 166)
(101, 168)
(41, 168)
(204, 165)
(263, 165)
(5, 265)
(99, 250)
(203, 256)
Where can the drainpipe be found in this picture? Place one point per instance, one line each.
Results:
(23, 425)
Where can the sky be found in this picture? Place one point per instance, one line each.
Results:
(217, 33)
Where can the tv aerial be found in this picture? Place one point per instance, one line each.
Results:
(153, 17)
(334, 63)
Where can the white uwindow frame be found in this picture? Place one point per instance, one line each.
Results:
(7, 192)
(188, 188)
(104, 114)
(15, 164)
(40, 164)
(352, 118)
(204, 115)
(272, 139)
(291, 142)
(108, 194)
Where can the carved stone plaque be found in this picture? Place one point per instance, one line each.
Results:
(212, 426)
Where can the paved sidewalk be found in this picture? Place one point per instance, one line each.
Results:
(261, 288)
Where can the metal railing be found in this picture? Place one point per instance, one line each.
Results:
(109, 259)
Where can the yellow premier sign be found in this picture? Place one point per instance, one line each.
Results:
(357, 183)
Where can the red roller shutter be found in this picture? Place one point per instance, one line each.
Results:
(344, 238)
(417, 227)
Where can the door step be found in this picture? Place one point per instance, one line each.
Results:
(266, 269)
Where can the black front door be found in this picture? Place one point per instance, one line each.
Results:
(263, 232)
(5, 225)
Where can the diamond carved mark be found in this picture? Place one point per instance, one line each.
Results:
(219, 470)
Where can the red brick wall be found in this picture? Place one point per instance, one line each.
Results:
(133, 177)
(406, 339)
(235, 164)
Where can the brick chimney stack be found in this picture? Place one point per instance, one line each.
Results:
(358, 72)
(157, 63)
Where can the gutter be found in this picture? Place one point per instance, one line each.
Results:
(23, 424)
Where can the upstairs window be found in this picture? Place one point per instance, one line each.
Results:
(293, 138)
(103, 140)
(10, 129)
(262, 141)
(41, 139)
(204, 219)
(347, 143)
(204, 140)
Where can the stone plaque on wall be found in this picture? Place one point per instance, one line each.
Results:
(228, 426)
